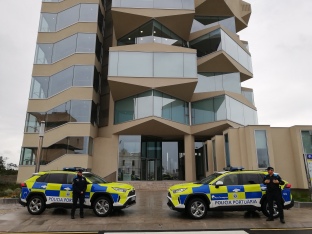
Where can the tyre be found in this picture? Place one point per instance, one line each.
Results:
(102, 206)
(196, 208)
(265, 209)
(36, 205)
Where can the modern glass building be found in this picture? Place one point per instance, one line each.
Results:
(137, 89)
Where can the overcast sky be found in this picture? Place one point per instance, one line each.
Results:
(280, 41)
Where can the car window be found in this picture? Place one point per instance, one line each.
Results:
(57, 178)
(209, 178)
(70, 178)
(230, 179)
(95, 179)
(42, 178)
(251, 178)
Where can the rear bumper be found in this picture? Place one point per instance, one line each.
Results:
(21, 202)
(290, 205)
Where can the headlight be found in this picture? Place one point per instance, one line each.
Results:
(179, 190)
(120, 190)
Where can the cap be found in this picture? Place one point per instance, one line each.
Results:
(80, 170)
(270, 168)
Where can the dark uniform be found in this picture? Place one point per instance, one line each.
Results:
(273, 193)
(79, 189)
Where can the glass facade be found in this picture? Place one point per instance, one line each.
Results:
(152, 32)
(307, 141)
(75, 76)
(69, 145)
(249, 95)
(212, 81)
(262, 149)
(77, 43)
(219, 40)
(145, 158)
(50, 22)
(146, 64)
(203, 22)
(72, 111)
(222, 108)
(157, 4)
(151, 103)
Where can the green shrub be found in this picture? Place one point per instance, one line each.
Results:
(301, 195)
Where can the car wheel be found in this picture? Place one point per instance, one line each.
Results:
(196, 208)
(265, 209)
(102, 206)
(36, 205)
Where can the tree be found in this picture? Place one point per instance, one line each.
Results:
(2, 163)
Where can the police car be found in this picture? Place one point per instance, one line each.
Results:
(52, 189)
(232, 190)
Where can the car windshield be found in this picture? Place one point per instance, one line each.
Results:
(95, 179)
(209, 178)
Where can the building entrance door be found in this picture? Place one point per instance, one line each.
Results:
(151, 160)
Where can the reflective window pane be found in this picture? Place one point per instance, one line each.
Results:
(168, 64)
(88, 13)
(67, 17)
(47, 22)
(83, 76)
(43, 54)
(86, 43)
(262, 148)
(141, 66)
(64, 48)
(39, 87)
(61, 81)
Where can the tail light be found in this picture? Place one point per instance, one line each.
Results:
(23, 185)
(288, 186)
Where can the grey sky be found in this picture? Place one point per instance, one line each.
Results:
(280, 41)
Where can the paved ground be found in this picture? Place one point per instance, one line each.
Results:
(149, 214)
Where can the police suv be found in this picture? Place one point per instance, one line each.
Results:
(53, 189)
(231, 190)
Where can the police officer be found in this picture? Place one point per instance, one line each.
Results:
(79, 189)
(273, 193)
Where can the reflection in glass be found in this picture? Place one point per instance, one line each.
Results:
(129, 167)
(77, 43)
(151, 103)
(45, 87)
(307, 141)
(146, 158)
(69, 145)
(157, 64)
(80, 13)
(72, 111)
(221, 108)
(210, 82)
(262, 148)
(152, 32)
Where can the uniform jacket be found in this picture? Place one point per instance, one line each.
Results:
(79, 184)
(272, 187)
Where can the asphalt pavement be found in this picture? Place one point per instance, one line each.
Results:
(150, 214)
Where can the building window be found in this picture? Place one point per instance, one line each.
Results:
(151, 103)
(227, 150)
(307, 141)
(262, 148)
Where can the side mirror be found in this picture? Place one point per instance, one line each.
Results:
(219, 183)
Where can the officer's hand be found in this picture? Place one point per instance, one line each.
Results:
(267, 181)
(275, 181)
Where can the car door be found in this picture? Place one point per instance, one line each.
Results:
(228, 193)
(253, 188)
(54, 186)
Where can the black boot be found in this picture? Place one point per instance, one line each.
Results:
(81, 216)
(270, 219)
